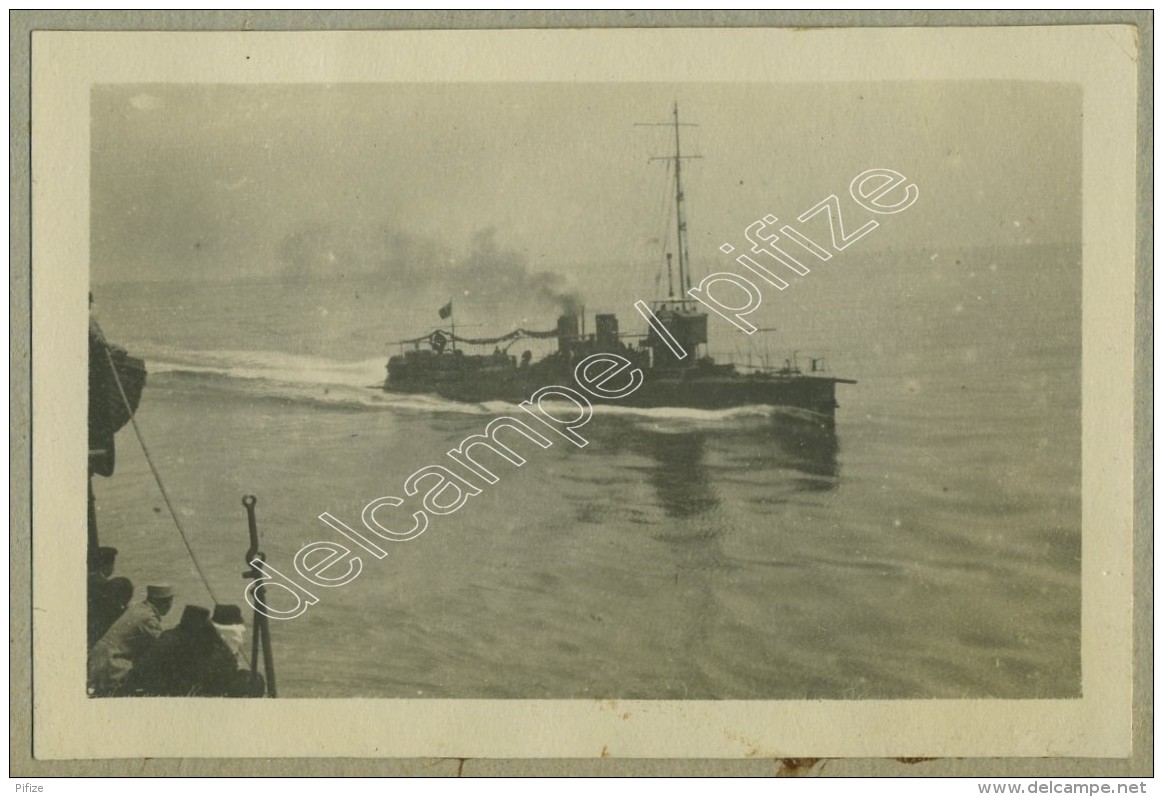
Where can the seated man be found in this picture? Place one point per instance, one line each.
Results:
(101, 565)
(199, 658)
(176, 666)
(106, 605)
(101, 562)
(116, 653)
(230, 674)
(227, 622)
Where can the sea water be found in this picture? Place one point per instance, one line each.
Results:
(930, 548)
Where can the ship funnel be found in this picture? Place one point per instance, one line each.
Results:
(567, 326)
(607, 331)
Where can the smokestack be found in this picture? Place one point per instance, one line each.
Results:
(566, 331)
(606, 325)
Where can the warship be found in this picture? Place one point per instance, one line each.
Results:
(437, 363)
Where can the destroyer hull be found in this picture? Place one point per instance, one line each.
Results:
(676, 388)
(815, 394)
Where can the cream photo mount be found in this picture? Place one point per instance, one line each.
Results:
(68, 725)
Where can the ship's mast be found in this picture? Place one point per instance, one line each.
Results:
(684, 280)
(684, 276)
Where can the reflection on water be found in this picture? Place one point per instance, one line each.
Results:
(784, 454)
(679, 477)
(809, 449)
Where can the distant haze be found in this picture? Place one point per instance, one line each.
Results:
(542, 189)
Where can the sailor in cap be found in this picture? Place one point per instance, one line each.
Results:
(230, 674)
(102, 562)
(107, 604)
(175, 665)
(128, 639)
(101, 610)
(227, 622)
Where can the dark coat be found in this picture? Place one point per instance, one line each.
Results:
(185, 662)
(105, 605)
(116, 653)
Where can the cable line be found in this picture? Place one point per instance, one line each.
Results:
(149, 460)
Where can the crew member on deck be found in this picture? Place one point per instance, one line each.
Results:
(101, 562)
(198, 658)
(231, 675)
(175, 665)
(101, 568)
(227, 622)
(116, 653)
(107, 606)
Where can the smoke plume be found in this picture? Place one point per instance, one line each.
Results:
(488, 271)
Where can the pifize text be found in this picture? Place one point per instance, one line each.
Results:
(557, 412)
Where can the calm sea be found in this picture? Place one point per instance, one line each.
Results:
(929, 548)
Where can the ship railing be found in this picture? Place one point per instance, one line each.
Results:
(769, 365)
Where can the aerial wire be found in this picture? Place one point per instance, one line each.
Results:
(149, 460)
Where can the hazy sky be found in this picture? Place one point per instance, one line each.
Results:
(213, 181)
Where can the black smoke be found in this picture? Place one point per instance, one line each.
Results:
(487, 271)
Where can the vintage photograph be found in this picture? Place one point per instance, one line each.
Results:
(655, 391)
(648, 394)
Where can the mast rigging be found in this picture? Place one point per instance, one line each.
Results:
(684, 276)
